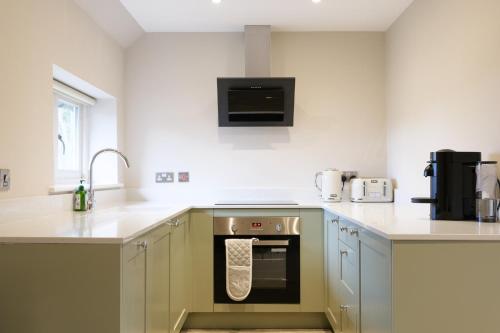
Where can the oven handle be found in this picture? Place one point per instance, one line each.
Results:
(258, 242)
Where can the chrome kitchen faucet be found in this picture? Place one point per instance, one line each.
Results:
(91, 198)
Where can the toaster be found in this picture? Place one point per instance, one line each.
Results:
(371, 190)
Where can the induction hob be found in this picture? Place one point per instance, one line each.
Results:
(256, 203)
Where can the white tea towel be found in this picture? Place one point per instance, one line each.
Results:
(238, 268)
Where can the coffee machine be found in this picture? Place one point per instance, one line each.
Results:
(453, 185)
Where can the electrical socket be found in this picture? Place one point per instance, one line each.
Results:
(4, 180)
(164, 177)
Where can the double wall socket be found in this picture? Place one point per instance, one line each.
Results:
(164, 177)
(4, 180)
(169, 177)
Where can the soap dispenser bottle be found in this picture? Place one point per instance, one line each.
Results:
(80, 198)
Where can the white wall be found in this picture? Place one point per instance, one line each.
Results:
(35, 35)
(102, 125)
(171, 118)
(443, 72)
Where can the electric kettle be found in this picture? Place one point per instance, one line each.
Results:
(330, 185)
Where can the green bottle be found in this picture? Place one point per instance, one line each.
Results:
(80, 198)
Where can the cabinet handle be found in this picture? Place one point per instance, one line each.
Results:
(354, 232)
(142, 244)
(335, 220)
(344, 308)
(175, 223)
(344, 253)
(343, 229)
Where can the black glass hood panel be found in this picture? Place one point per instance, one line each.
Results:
(248, 102)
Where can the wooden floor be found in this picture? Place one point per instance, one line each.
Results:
(255, 331)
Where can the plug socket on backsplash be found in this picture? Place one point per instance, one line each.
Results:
(4, 180)
(164, 177)
(348, 175)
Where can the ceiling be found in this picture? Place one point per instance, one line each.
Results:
(113, 18)
(283, 15)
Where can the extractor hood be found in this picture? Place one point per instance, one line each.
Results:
(257, 99)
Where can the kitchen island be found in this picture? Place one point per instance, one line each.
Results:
(142, 267)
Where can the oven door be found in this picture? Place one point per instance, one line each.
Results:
(275, 273)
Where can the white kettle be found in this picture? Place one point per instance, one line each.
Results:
(330, 185)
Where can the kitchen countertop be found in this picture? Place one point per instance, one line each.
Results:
(120, 224)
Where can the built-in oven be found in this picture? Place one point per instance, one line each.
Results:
(276, 258)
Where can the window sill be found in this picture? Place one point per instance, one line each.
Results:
(65, 189)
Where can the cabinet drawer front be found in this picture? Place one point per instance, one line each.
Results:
(349, 234)
(348, 267)
(159, 232)
(329, 217)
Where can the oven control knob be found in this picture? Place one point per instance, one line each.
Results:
(234, 228)
(278, 227)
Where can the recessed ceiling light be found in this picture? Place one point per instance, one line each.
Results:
(316, 1)
(216, 1)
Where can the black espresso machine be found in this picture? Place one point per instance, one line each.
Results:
(453, 185)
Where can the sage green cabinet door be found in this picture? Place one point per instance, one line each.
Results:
(375, 284)
(332, 270)
(158, 284)
(179, 283)
(202, 249)
(312, 288)
(134, 293)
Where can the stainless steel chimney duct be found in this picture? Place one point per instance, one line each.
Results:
(257, 50)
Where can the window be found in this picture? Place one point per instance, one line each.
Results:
(69, 116)
(84, 122)
(70, 109)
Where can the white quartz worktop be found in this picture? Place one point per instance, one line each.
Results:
(112, 225)
(411, 222)
(124, 222)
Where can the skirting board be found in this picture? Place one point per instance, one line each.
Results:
(308, 320)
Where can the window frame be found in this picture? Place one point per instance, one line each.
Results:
(61, 176)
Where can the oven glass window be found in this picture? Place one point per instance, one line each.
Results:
(275, 270)
(269, 268)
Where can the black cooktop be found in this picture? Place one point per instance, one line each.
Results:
(256, 203)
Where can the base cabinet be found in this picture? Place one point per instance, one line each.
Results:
(358, 278)
(156, 279)
(134, 295)
(332, 277)
(146, 294)
(158, 286)
(180, 298)
(372, 284)
(375, 284)
(201, 236)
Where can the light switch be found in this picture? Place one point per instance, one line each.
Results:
(4, 180)
(183, 177)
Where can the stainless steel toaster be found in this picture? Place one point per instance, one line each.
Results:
(372, 190)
